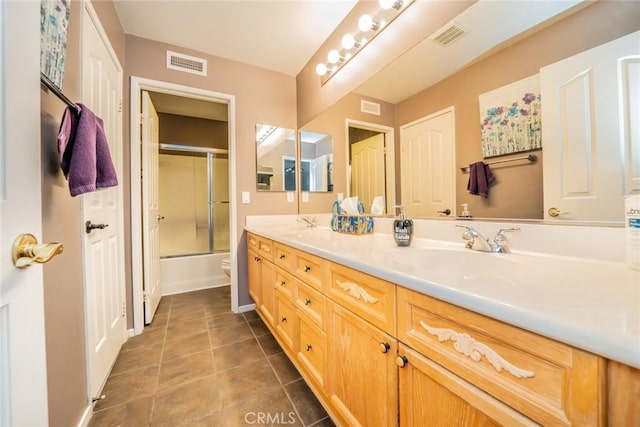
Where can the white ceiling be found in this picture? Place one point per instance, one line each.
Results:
(276, 35)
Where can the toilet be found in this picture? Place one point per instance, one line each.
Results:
(226, 267)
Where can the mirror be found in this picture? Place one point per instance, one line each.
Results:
(457, 75)
(316, 162)
(275, 158)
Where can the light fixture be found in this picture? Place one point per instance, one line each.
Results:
(369, 26)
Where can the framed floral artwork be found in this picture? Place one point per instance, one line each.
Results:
(510, 118)
(54, 23)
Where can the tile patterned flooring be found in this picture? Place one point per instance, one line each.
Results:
(198, 364)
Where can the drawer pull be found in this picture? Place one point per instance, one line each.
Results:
(282, 283)
(309, 347)
(401, 361)
(463, 343)
(384, 347)
(256, 258)
(282, 256)
(356, 292)
(307, 268)
(307, 301)
(284, 319)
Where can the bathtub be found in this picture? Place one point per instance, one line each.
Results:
(191, 273)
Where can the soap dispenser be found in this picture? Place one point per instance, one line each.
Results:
(402, 228)
(465, 211)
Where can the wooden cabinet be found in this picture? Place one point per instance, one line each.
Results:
(377, 354)
(363, 378)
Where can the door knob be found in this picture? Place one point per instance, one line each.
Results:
(445, 212)
(160, 218)
(88, 226)
(26, 250)
(554, 212)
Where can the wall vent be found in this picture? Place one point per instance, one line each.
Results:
(447, 35)
(186, 63)
(369, 107)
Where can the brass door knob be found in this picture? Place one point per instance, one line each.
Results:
(26, 250)
(554, 212)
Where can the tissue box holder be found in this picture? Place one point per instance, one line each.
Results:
(352, 224)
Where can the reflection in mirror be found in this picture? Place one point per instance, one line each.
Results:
(316, 162)
(275, 158)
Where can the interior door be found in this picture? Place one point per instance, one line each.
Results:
(103, 248)
(23, 370)
(427, 156)
(150, 213)
(368, 169)
(590, 131)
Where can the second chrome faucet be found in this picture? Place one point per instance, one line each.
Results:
(478, 242)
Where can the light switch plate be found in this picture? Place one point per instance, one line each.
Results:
(246, 197)
(305, 196)
(289, 196)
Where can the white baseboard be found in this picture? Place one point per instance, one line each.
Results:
(86, 416)
(245, 308)
(131, 332)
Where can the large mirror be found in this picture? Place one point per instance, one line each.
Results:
(316, 162)
(443, 86)
(275, 158)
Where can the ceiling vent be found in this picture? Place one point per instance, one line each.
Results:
(447, 35)
(186, 63)
(369, 107)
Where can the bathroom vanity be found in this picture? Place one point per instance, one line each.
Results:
(439, 335)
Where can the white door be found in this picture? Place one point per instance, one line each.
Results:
(23, 371)
(103, 249)
(589, 164)
(427, 164)
(368, 170)
(150, 214)
(319, 173)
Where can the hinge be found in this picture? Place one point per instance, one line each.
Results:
(124, 309)
(141, 118)
(120, 106)
(145, 297)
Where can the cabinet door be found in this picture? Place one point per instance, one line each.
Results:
(430, 395)
(255, 273)
(311, 349)
(286, 321)
(362, 376)
(267, 280)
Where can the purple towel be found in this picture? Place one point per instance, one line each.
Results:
(480, 176)
(84, 151)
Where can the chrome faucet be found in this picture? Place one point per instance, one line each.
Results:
(478, 242)
(311, 221)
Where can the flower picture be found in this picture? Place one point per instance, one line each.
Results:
(54, 22)
(511, 118)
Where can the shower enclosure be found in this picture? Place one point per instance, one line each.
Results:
(194, 204)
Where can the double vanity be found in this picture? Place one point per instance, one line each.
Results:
(438, 334)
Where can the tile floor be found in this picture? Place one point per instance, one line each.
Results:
(198, 364)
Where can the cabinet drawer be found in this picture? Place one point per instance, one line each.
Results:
(285, 284)
(285, 321)
(368, 297)
(312, 350)
(262, 246)
(312, 303)
(310, 269)
(284, 257)
(547, 381)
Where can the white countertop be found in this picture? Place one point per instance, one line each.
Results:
(590, 304)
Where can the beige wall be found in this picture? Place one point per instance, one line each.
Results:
(193, 131)
(518, 191)
(63, 281)
(261, 96)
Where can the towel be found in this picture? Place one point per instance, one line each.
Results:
(480, 176)
(84, 151)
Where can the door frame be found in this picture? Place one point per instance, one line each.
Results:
(138, 84)
(390, 157)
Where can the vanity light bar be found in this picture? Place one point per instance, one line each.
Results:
(368, 28)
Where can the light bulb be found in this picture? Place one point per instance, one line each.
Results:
(321, 69)
(386, 4)
(365, 23)
(348, 41)
(333, 56)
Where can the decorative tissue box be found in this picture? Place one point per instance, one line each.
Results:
(352, 224)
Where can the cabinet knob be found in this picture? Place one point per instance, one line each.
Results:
(284, 319)
(282, 256)
(256, 258)
(401, 361)
(309, 347)
(307, 268)
(282, 283)
(384, 347)
(307, 301)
